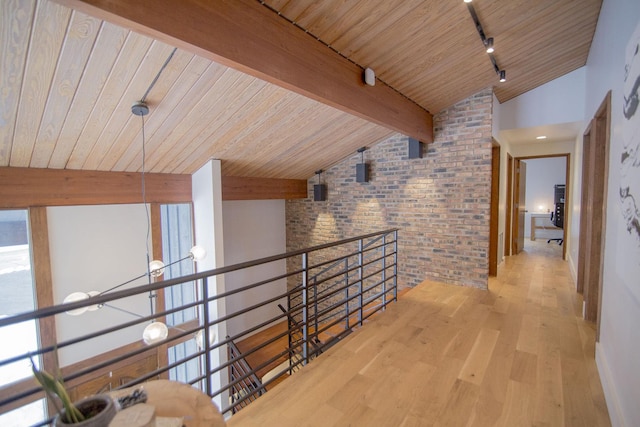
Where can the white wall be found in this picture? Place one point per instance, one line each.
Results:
(94, 248)
(559, 101)
(617, 353)
(254, 229)
(542, 175)
(206, 188)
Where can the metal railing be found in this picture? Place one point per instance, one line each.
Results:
(341, 285)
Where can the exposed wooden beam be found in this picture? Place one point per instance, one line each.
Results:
(244, 188)
(26, 187)
(247, 36)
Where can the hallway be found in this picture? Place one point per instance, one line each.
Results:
(518, 355)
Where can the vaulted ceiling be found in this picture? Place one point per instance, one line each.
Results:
(69, 77)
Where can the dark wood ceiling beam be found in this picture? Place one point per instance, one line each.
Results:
(246, 188)
(28, 187)
(247, 36)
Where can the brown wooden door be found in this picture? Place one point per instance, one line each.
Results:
(519, 206)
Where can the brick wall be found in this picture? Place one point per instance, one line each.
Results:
(439, 202)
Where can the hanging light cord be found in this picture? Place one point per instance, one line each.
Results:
(144, 194)
(146, 209)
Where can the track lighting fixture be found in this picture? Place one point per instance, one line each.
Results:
(486, 41)
(489, 45)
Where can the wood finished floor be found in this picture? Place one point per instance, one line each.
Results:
(517, 355)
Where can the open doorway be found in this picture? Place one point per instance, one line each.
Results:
(539, 194)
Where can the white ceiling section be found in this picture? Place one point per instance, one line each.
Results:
(68, 80)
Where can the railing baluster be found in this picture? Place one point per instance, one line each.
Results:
(206, 342)
(305, 305)
(315, 306)
(346, 292)
(290, 334)
(384, 272)
(360, 274)
(395, 265)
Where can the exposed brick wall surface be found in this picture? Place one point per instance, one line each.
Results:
(440, 203)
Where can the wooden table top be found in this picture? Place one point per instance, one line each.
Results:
(175, 399)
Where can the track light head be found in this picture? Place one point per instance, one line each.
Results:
(467, 1)
(503, 76)
(488, 43)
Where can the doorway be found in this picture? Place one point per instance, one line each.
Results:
(531, 216)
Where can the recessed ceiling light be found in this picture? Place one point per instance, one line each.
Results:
(541, 137)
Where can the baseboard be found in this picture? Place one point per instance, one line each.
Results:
(610, 394)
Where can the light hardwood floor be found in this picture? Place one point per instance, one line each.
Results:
(517, 355)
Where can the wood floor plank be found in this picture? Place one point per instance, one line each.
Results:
(462, 399)
(549, 395)
(519, 405)
(476, 364)
(529, 334)
(578, 406)
(524, 368)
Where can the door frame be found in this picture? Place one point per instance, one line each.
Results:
(567, 196)
(494, 256)
(509, 207)
(516, 226)
(595, 161)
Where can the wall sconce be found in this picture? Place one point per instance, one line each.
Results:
(415, 149)
(319, 189)
(362, 168)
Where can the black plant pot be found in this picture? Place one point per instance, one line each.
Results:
(98, 410)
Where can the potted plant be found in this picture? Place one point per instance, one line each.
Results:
(94, 411)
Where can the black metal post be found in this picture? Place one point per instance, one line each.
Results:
(360, 275)
(384, 272)
(346, 292)
(395, 265)
(305, 314)
(206, 344)
(315, 306)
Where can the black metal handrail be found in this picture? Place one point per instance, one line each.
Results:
(375, 279)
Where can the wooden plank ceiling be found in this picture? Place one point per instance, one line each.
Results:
(68, 81)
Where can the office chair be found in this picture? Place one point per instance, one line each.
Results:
(560, 240)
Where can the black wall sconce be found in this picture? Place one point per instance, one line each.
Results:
(319, 189)
(415, 148)
(362, 168)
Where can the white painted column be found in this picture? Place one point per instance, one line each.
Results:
(207, 212)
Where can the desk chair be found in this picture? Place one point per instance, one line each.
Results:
(560, 240)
